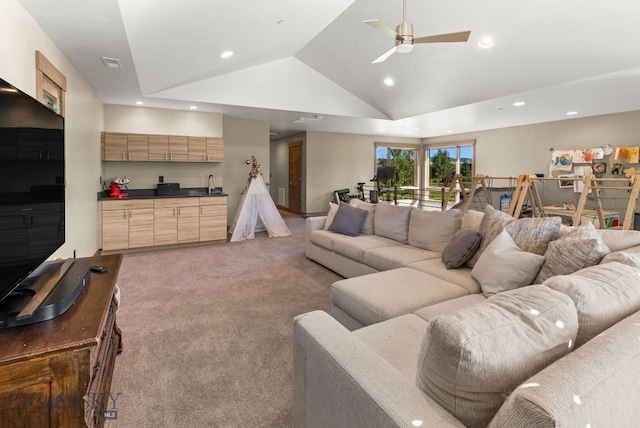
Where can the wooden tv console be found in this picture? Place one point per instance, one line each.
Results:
(57, 373)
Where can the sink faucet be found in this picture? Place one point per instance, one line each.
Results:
(211, 183)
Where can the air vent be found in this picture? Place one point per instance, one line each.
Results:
(112, 63)
(314, 119)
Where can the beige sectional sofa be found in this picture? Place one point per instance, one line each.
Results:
(412, 343)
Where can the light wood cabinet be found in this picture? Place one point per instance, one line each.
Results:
(137, 147)
(127, 224)
(176, 221)
(116, 146)
(145, 223)
(158, 148)
(213, 218)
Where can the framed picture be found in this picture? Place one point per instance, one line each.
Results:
(599, 167)
(566, 181)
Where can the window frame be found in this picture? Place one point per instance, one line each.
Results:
(426, 148)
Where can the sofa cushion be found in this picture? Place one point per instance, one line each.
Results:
(367, 226)
(324, 238)
(593, 386)
(348, 220)
(534, 234)
(461, 247)
(429, 312)
(618, 240)
(355, 247)
(460, 277)
(603, 295)
(431, 230)
(503, 266)
(392, 221)
(388, 258)
(333, 209)
(370, 299)
(472, 358)
(491, 225)
(629, 258)
(581, 248)
(396, 340)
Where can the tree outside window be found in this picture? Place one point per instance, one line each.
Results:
(404, 161)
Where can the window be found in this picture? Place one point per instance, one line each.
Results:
(404, 159)
(444, 161)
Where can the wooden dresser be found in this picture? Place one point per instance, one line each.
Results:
(57, 373)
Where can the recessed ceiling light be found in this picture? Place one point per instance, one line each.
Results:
(449, 132)
(226, 54)
(572, 113)
(518, 103)
(416, 129)
(388, 81)
(194, 107)
(485, 42)
(139, 103)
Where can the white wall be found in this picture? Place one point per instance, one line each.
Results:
(243, 139)
(337, 161)
(527, 149)
(143, 120)
(21, 37)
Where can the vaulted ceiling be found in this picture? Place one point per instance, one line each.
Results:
(306, 64)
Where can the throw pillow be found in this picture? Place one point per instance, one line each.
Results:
(490, 226)
(431, 230)
(503, 266)
(581, 248)
(534, 234)
(471, 359)
(603, 295)
(461, 247)
(472, 219)
(367, 227)
(333, 209)
(348, 220)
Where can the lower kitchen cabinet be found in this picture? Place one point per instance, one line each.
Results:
(131, 224)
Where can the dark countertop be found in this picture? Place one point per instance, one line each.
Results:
(193, 192)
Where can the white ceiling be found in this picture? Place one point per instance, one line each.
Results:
(312, 59)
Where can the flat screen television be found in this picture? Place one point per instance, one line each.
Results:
(32, 196)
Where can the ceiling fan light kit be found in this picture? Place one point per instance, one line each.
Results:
(404, 39)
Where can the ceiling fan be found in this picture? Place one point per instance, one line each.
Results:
(403, 36)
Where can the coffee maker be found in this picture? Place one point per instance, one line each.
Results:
(117, 186)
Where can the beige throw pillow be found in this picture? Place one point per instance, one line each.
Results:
(534, 234)
(333, 209)
(472, 358)
(582, 247)
(491, 225)
(503, 266)
(367, 227)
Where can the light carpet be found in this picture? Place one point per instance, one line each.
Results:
(207, 332)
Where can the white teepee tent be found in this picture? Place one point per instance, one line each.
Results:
(257, 212)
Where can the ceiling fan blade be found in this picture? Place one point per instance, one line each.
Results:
(444, 38)
(384, 56)
(380, 26)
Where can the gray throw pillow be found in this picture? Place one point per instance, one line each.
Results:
(491, 225)
(461, 247)
(348, 220)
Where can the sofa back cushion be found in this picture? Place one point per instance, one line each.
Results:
(618, 240)
(392, 221)
(472, 358)
(603, 295)
(431, 230)
(367, 226)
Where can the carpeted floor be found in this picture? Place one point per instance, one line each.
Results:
(207, 332)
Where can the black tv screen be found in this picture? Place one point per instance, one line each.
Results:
(31, 185)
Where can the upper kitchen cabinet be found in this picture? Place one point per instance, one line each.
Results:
(161, 148)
